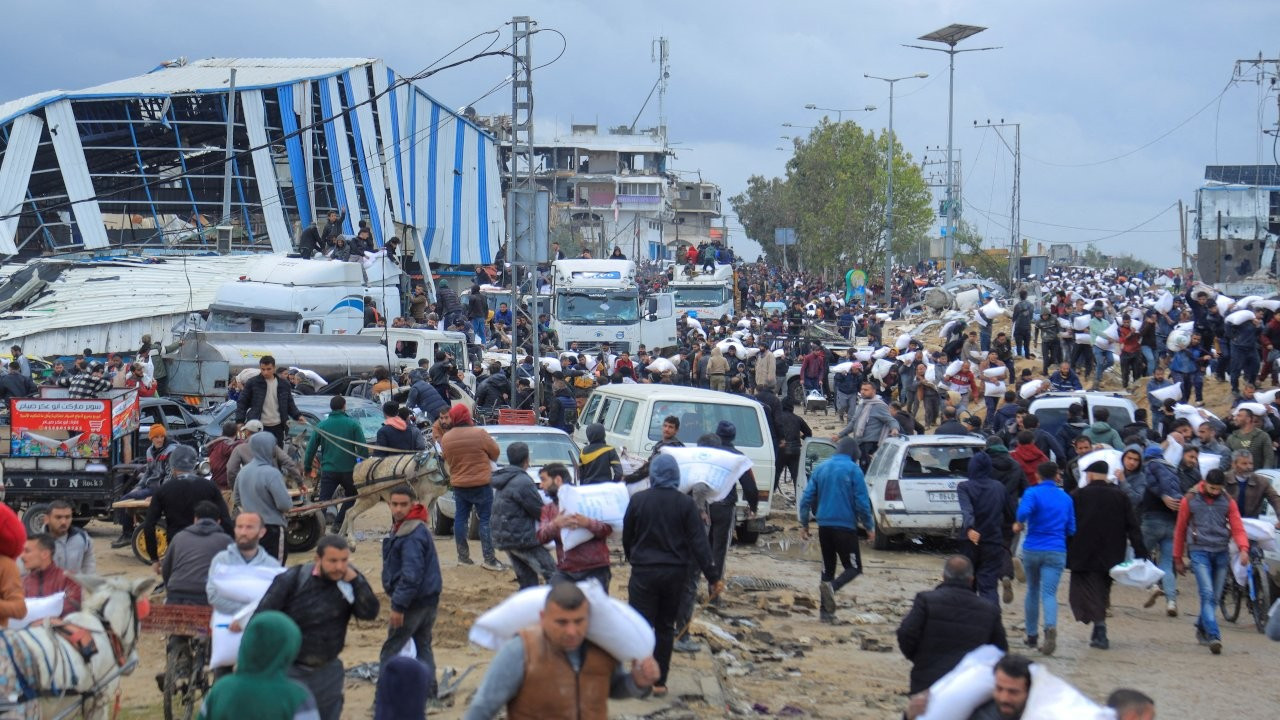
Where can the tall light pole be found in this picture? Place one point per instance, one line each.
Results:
(949, 36)
(840, 113)
(888, 222)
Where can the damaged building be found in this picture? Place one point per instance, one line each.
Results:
(1237, 226)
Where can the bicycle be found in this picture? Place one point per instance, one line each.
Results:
(1255, 593)
(187, 676)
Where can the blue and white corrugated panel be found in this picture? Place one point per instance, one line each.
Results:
(264, 171)
(75, 174)
(15, 173)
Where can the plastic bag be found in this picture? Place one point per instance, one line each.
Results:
(902, 342)
(1080, 323)
(1052, 698)
(1030, 388)
(1240, 317)
(992, 310)
(662, 365)
(1164, 303)
(613, 625)
(970, 683)
(1135, 573)
(881, 352)
(243, 584)
(39, 608)
(954, 367)
(1263, 532)
(881, 368)
(843, 367)
(1224, 304)
(606, 502)
(551, 365)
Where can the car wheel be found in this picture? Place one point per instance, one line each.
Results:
(743, 536)
(881, 541)
(33, 518)
(303, 532)
(440, 524)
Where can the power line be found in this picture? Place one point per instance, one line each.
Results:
(1114, 234)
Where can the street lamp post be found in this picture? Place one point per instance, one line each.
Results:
(950, 36)
(840, 113)
(888, 223)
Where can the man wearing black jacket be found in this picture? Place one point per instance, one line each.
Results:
(986, 511)
(724, 513)
(662, 536)
(266, 399)
(945, 623)
(177, 498)
(792, 430)
(397, 433)
(322, 597)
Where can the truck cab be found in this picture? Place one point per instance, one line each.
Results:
(294, 295)
(703, 295)
(598, 301)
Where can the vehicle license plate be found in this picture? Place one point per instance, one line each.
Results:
(942, 496)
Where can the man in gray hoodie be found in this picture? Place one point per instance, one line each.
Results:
(260, 489)
(517, 507)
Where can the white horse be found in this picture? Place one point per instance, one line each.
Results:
(49, 660)
(424, 472)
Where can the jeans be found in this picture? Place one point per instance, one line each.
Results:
(1157, 532)
(1149, 354)
(464, 499)
(988, 561)
(655, 592)
(124, 517)
(477, 327)
(1102, 360)
(1210, 569)
(989, 419)
(1051, 354)
(329, 484)
(984, 338)
(722, 515)
(1022, 343)
(418, 624)
(1131, 366)
(1044, 571)
(1189, 382)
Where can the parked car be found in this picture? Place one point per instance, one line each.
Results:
(313, 407)
(546, 445)
(912, 482)
(180, 424)
(632, 416)
(1051, 408)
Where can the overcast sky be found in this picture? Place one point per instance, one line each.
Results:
(1089, 80)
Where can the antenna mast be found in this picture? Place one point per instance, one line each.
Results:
(660, 53)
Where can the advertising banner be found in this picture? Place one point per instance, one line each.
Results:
(62, 427)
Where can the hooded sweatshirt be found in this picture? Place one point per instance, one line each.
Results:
(259, 688)
(984, 504)
(1102, 432)
(662, 526)
(836, 494)
(396, 433)
(516, 509)
(1029, 457)
(404, 686)
(260, 486)
(599, 462)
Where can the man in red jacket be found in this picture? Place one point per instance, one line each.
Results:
(1028, 455)
(43, 577)
(587, 560)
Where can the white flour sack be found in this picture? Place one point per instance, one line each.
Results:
(613, 625)
(1051, 698)
(717, 470)
(957, 694)
(243, 585)
(606, 502)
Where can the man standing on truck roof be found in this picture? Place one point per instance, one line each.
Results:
(268, 400)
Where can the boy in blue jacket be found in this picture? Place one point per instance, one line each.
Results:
(837, 497)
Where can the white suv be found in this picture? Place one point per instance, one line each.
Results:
(912, 482)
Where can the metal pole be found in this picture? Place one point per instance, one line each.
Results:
(1182, 231)
(950, 244)
(228, 152)
(888, 242)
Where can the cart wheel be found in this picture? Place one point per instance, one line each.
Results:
(33, 518)
(303, 532)
(440, 524)
(140, 544)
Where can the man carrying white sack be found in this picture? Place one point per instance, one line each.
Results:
(551, 670)
(662, 535)
(243, 552)
(590, 559)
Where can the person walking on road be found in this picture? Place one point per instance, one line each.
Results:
(517, 508)
(411, 578)
(322, 597)
(986, 510)
(1049, 518)
(947, 622)
(244, 550)
(177, 499)
(870, 424)
(340, 441)
(837, 497)
(468, 452)
(1155, 491)
(267, 399)
(662, 535)
(260, 489)
(1105, 519)
(1208, 523)
(551, 670)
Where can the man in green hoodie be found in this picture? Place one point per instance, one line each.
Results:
(259, 688)
(1101, 432)
(340, 440)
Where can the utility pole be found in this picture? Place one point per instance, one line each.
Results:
(662, 56)
(229, 152)
(888, 221)
(518, 248)
(1182, 230)
(1015, 209)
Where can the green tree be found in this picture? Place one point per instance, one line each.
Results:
(835, 195)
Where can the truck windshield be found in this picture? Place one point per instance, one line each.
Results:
(699, 296)
(223, 321)
(598, 308)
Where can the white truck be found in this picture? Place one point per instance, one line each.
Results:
(292, 295)
(202, 366)
(703, 295)
(598, 301)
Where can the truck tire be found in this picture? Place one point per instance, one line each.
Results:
(881, 542)
(303, 532)
(743, 536)
(441, 526)
(33, 518)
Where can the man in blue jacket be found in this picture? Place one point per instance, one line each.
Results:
(411, 579)
(837, 497)
(986, 511)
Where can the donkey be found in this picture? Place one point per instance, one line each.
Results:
(424, 472)
(45, 665)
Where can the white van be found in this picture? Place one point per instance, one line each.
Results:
(632, 416)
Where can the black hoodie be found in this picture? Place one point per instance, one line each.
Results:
(599, 462)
